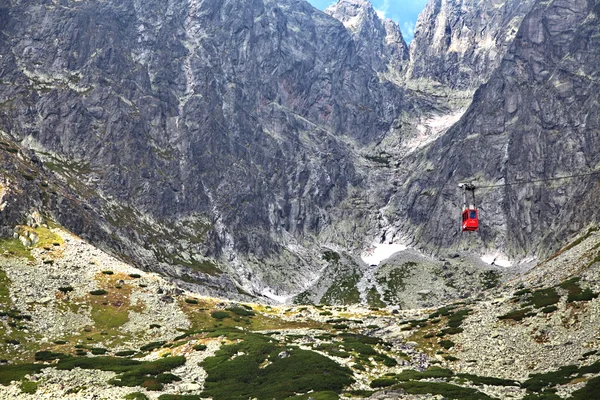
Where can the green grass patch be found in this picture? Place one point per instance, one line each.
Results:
(28, 387)
(549, 309)
(242, 311)
(539, 382)
(326, 395)
(179, 397)
(99, 292)
(433, 372)
(589, 391)
(542, 396)
(589, 353)
(14, 248)
(343, 291)
(150, 375)
(393, 283)
(543, 298)
(374, 298)
(521, 292)
(136, 396)
(125, 353)
(490, 279)
(575, 292)
(191, 301)
(242, 377)
(153, 346)
(585, 295)
(487, 380)
(447, 390)
(220, 314)
(383, 159)
(442, 312)
(456, 319)
(49, 356)
(518, 315)
(447, 344)
(383, 382)
(16, 372)
(331, 256)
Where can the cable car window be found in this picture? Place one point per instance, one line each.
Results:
(472, 214)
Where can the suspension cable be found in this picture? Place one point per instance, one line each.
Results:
(539, 180)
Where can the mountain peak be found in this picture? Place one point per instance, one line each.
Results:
(352, 13)
(378, 41)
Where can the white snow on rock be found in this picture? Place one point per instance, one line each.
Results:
(273, 296)
(497, 259)
(380, 251)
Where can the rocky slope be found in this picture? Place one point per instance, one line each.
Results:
(459, 43)
(198, 121)
(78, 323)
(532, 121)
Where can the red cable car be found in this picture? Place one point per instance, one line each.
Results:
(470, 219)
(470, 215)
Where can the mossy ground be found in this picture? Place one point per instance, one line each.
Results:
(201, 317)
(393, 281)
(14, 248)
(111, 311)
(253, 367)
(343, 291)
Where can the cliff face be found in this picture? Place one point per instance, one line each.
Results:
(459, 43)
(378, 42)
(533, 120)
(207, 140)
(232, 123)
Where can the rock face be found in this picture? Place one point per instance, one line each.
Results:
(532, 121)
(378, 42)
(189, 122)
(459, 43)
(206, 139)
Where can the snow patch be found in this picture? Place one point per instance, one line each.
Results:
(429, 129)
(273, 296)
(496, 259)
(381, 251)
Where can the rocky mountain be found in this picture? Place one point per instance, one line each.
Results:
(184, 123)
(235, 151)
(169, 168)
(459, 43)
(379, 42)
(527, 127)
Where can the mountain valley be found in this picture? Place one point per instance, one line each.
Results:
(260, 200)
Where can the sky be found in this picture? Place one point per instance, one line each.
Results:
(404, 12)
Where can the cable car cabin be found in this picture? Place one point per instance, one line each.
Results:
(470, 219)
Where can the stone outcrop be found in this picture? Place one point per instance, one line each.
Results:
(184, 124)
(379, 42)
(202, 142)
(532, 121)
(459, 43)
